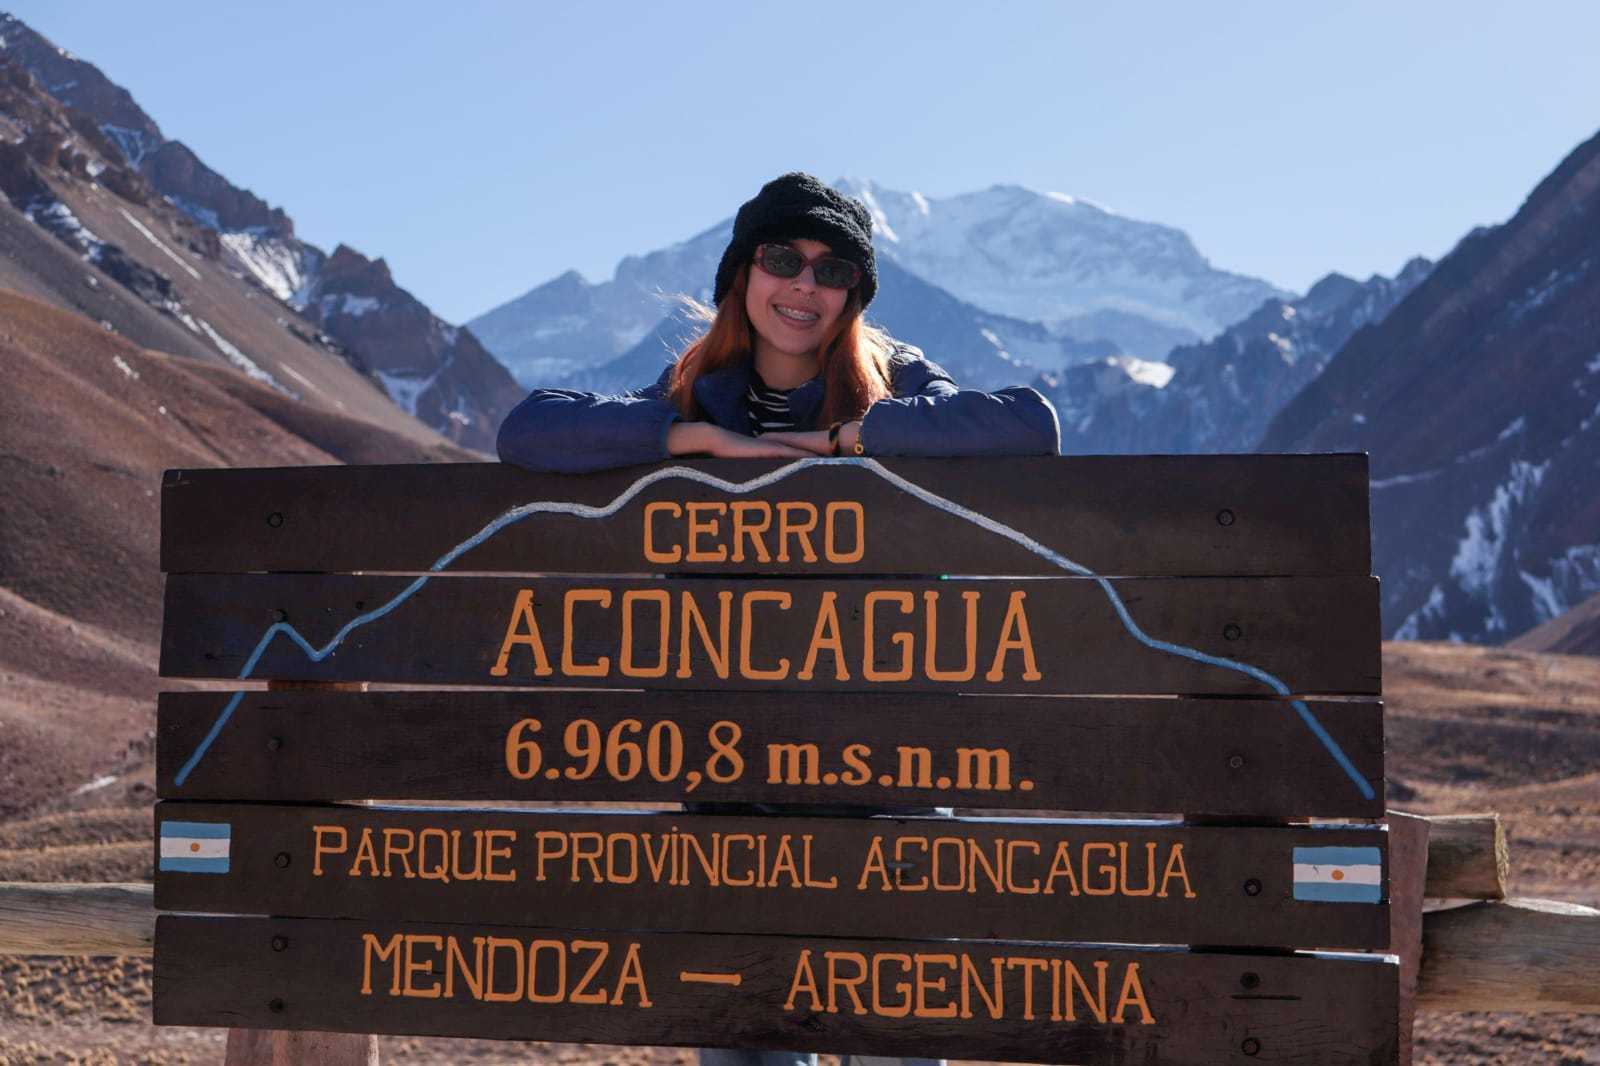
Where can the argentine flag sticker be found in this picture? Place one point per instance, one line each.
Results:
(1338, 875)
(195, 847)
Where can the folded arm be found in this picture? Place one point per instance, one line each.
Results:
(931, 416)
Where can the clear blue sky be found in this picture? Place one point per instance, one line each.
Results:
(482, 148)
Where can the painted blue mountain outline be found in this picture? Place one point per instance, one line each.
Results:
(517, 514)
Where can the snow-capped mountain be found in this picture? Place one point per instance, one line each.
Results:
(1026, 282)
(1219, 396)
(1079, 268)
(1478, 397)
(979, 349)
(434, 371)
(552, 332)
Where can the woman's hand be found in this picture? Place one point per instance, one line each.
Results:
(816, 441)
(703, 438)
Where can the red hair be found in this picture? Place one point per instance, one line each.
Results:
(853, 357)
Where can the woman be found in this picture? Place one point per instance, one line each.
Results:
(788, 367)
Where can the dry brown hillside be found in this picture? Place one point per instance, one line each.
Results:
(1574, 632)
(88, 421)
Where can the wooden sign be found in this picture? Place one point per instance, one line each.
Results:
(1253, 636)
(836, 637)
(1232, 757)
(1115, 515)
(991, 1001)
(905, 878)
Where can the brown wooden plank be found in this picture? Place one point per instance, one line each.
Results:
(1253, 758)
(1125, 515)
(1314, 634)
(1172, 1007)
(907, 878)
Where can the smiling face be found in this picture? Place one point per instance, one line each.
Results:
(791, 316)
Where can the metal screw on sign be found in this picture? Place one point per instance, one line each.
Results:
(1252, 887)
(1231, 631)
(281, 860)
(1250, 980)
(1224, 517)
(1236, 762)
(275, 519)
(275, 1006)
(274, 743)
(279, 943)
(1251, 1046)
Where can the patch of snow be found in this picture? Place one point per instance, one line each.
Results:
(1589, 419)
(242, 361)
(1477, 558)
(279, 266)
(1554, 283)
(301, 378)
(880, 219)
(1546, 602)
(57, 217)
(450, 334)
(95, 785)
(1061, 197)
(920, 201)
(405, 389)
(200, 213)
(95, 168)
(122, 365)
(1516, 426)
(1593, 365)
(336, 303)
(1358, 418)
(153, 239)
(1431, 610)
(1156, 375)
(135, 144)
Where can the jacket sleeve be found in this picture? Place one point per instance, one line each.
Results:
(929, 415)
(562, 431)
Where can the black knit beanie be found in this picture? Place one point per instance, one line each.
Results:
(797, 206)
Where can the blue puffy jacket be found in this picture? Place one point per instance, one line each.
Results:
(569, 432)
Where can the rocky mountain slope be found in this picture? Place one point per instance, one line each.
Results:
(87, 165)
(1478, 397)
(91, 419)
(1219, 396)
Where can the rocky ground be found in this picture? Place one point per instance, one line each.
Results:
(1470, 729)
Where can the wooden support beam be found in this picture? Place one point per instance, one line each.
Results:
(1408, 861)
(74, 919)
(1531, 956)
(1466, 857)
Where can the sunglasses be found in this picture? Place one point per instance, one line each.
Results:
(831, 272)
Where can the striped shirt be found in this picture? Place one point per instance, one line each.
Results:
(769, 407)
